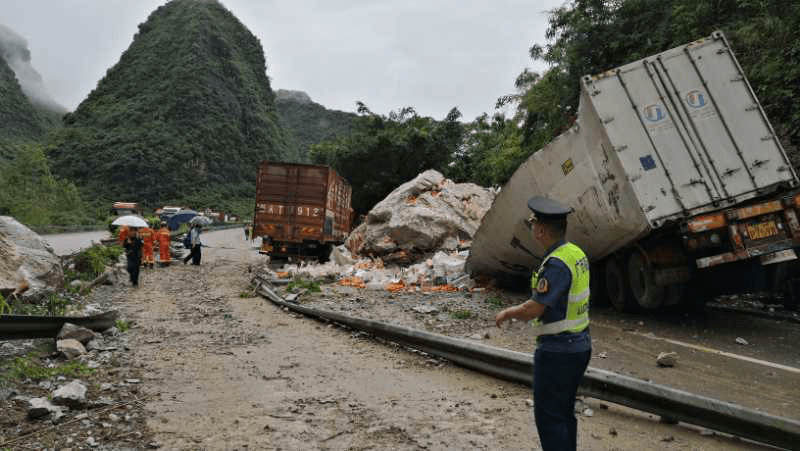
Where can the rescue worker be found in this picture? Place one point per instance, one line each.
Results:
(148, 236)
(123, 233)
(559, 307)
(133, 251)
(163, 244)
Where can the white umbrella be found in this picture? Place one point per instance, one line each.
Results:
(202, 220)
(130, 221)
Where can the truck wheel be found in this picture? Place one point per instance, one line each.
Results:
(325, 253)
(597, 285)
(786, 281)
(617, 286)
(642, 282)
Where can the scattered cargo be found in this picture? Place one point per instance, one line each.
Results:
(676, 178)
(301, 210)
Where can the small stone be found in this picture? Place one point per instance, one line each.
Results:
(40, 407)
(529, 402)
(72, 394)
(602, 355)
(667, 359)
(741, 341)
(111, 331)
(587, 412)
(71, 348)
(113, 418)
(133, 381)
(75, 332)
(668, 438)
(612, 431)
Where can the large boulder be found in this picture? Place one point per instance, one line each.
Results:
(26, 260)
(421, 216)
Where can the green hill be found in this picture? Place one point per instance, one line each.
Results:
(185, 115)
(20, 121)
(310, 123)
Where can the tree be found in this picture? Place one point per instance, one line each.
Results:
(383, 152)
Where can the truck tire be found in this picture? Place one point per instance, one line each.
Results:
(641, 280)
(617, 286)
(597, 285)
(786, 282)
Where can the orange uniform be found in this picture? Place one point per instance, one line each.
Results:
(148, 235)
(163, 245)
(123, 233)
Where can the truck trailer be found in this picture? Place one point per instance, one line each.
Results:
(677, 181)
(301, 210)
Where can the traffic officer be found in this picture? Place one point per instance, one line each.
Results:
(559, 306)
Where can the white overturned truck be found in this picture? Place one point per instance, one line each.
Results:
(678, 183)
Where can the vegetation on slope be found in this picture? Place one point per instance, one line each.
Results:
(592, 36)
(186, 114)
(309, 123)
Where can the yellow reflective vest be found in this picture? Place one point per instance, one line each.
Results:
(577, 318)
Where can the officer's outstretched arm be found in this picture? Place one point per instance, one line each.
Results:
(526, 311)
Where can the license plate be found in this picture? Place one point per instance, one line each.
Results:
(762, 230)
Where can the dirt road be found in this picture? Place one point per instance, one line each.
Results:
(222, 370)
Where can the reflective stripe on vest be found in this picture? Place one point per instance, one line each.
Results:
(577, 318)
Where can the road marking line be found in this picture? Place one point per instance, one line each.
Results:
(790, 369)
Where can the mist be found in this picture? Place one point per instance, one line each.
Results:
(14, 50)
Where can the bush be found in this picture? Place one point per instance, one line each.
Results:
(92, 262)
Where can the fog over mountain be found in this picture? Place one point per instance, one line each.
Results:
(14, 50)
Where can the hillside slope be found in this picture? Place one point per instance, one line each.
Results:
(308, 122)
(186, 114)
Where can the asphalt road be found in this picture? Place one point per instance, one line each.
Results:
(69, 243)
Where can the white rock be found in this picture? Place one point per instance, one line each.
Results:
(40, 407)
(421, 215)
(71, 348)
(741, 341)
(667, 359)
(425, 309)
(25, 256)
(72, 394)
(75, 332)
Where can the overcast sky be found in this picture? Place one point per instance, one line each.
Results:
(429, 54)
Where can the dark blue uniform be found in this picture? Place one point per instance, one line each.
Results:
(560, 359)
(133, 251)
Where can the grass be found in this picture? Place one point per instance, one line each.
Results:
(4, 307)
(122, 325)
(28, 367)
(462, 314)
(303, 284)
(496, 301)
(91, 262)
(55, 306)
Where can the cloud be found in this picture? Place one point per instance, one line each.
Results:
(14, 50)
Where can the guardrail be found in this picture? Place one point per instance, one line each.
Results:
(597, 383)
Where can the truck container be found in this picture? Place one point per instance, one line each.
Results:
(301, 210)
(674, 175)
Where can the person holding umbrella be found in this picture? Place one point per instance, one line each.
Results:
(133, 251)
(194, 238)
(133, 244)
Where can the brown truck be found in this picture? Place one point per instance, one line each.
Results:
(301, 211)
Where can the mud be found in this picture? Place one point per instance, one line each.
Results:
(222, 369)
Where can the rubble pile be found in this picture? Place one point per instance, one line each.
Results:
(28, 265)
(421, 216)
(442, 272)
